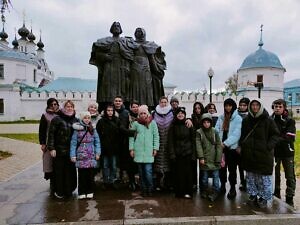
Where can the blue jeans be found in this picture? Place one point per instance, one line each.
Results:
(145, 172)
(109, 169)
(216, 179)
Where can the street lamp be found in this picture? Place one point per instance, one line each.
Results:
(210, 74)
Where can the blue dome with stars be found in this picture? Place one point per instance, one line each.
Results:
(261, 58)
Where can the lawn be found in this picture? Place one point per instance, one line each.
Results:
(34, 137)
(297, 154)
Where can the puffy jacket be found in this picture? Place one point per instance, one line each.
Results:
(257, 147)
(60, 134)
(208, 147)
(180, 140)
(109, 131)
(234, 131)
(89, 147)
(145, 141)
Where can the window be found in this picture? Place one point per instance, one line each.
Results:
(297, 111)
(34, 76)
(1, 106)
(297, 97)
(1, 71)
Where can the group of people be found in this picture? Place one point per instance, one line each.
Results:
(167, 148)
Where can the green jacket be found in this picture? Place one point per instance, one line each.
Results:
(145, 141)
(208, 147)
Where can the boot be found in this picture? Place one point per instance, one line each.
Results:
(232, 193)
(289, 200)
(223, 189)
(277, 193)
(212, 197)
(262, 203)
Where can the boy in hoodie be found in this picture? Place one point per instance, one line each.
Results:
(85, 152)
(209, 152)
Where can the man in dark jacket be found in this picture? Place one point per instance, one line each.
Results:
(284, 150)
(259, 136)
(126, 162)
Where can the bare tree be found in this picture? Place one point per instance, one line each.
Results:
(231, 84)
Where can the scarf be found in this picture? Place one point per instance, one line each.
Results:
(145, 122)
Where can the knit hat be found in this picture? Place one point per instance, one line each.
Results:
(144, 108)
(180, 109)
(206, 116)
(84, 114)
(93, 104)
(245, 100)
(174, 99)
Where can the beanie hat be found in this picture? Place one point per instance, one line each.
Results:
(180, 109)
(230, 101)
(93, 104)
(245, 100)
(143, 108)
(174, 99)
(84, 114)
(206, 116)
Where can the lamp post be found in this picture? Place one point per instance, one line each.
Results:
(210, 74)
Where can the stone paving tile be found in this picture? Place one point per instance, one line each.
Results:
(25, 154)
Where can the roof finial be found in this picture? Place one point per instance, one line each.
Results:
(261, 43)
(24, 15)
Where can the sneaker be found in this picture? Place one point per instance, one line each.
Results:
(252, 200)
(90, 195)
(223, 189)
(81, 196)
(231, 194)
(187, 196)
(262, 203)
(290, 201)
(57, 196)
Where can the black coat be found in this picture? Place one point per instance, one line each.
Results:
(60, 134)
(180, 140)
(109, 132)
(257, 150)
(287, 128)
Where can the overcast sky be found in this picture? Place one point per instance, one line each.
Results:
(195, 35)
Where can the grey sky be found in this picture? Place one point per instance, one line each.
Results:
(195, 35)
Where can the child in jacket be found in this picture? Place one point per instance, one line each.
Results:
(209, 152)
(85, 152)
(143, 148)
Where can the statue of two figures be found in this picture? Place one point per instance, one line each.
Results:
(127, 67)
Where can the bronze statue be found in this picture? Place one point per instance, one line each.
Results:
(131, 68)
(112, 56)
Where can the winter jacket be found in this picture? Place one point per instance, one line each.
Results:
(234, 131)
(163, 118)
(145, 141)
(60, 134)
(208, 147)
(287, 128)
(89, 147)
(257, 147)
(180, 140)
(109, 131)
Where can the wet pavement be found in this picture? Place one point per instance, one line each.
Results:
(25, 199)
